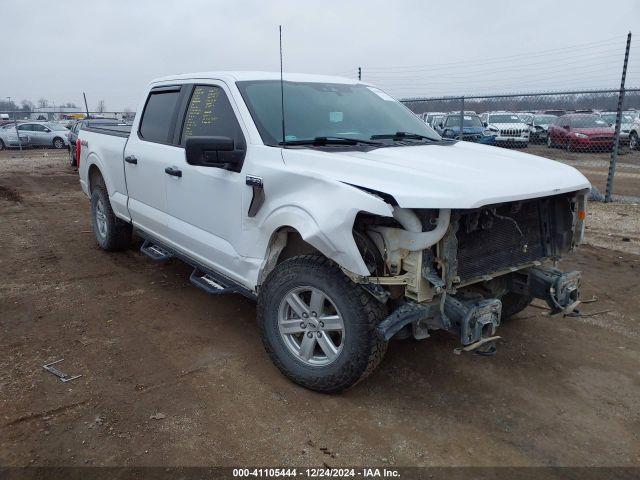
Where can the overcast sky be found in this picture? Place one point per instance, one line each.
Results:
(112, 49)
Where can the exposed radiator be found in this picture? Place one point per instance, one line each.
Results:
(490, 242)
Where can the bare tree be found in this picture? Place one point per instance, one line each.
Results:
(43, 102)
(101, 108)
(27, 105)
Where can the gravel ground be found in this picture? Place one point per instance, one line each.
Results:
(171, 376)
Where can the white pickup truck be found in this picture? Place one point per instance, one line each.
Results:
(350, 221)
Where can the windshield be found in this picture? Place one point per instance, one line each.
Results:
(588, 121)
(611, 118)
(544, 119)
(327, 110)
(469, 121)
(506, 118)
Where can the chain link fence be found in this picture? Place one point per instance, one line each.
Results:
(596, 131)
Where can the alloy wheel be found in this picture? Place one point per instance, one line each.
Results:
(311, 326)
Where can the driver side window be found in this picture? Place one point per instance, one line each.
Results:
(210, 115)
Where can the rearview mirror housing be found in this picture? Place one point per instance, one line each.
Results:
(213, 151)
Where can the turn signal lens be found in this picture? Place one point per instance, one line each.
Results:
(582, 215)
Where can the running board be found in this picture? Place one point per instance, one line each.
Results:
(155, 252)
(210, 284)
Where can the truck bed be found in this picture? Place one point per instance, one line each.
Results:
(118, 130)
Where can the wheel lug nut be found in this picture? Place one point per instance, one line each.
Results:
(309, 334)
(319, 334)
(314, 314)
(303, 325)
(305, 315)
(321, 324)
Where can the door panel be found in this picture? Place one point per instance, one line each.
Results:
(147, 154)
(205, 204)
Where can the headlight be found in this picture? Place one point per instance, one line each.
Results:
(581, 135)
(488, 133)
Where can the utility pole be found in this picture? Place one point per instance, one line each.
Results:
(616, 138)
(359, 73)
(86, 107)
(15, 121)
(461, 135)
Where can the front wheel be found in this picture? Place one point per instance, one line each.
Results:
(58, 143)
(318, 326)
(513, 303)
(633, 141)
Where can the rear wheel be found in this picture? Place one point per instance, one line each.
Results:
(58, 143)
(111, 232)
(1, 145)
(318, 326)
(633, 141)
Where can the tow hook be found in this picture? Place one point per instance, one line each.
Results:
(560, 290)
(473, 320)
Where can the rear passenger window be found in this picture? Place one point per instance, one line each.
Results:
(210, 114)
(159, 115)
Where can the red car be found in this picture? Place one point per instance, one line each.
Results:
(580, 131)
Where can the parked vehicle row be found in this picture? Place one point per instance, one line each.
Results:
(578, 129)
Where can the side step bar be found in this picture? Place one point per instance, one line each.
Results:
(203, 277)
(210, 284)
(155, 252)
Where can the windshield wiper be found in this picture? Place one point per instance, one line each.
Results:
(321, 141)
(401, 136)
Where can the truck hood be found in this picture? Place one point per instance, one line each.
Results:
(461, 175)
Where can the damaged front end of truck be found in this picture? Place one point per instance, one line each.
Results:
(464, 270)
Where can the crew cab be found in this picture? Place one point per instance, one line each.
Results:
(346, 217)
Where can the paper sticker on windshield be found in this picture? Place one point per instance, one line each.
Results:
(336, 117)
(381, 94)
(600, 122)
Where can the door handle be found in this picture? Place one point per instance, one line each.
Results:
(174, 172)
(131, 159)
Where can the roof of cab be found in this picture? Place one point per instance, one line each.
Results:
(238, 76)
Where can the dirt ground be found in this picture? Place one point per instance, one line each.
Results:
(171, 376)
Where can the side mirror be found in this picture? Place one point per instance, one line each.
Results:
(213, 152)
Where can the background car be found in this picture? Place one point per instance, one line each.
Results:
(508, 128)
(9, 138)
(45, 134)
(539, 126)
(626, 123)
(472, 128)
(580, 131)
(433, 118)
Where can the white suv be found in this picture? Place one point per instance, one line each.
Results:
(509, 127)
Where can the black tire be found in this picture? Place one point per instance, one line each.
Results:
(1, 145)
(72, 157)
(117, 234)
(58, 143)
(362, 349)
(514, 303)
(633, 141)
